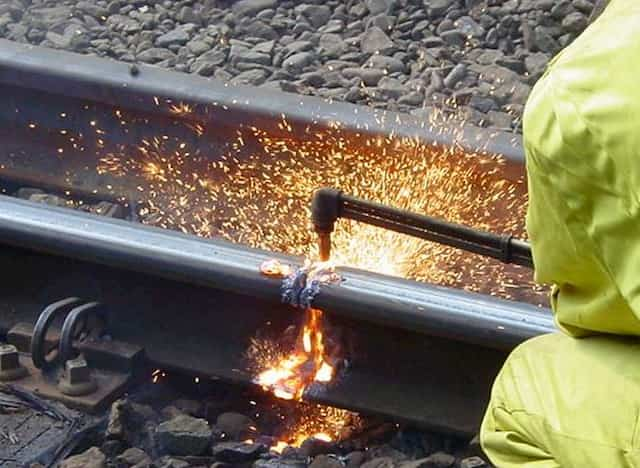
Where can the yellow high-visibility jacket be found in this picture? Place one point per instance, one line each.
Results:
(573, 399)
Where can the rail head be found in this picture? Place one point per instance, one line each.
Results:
(221, 265)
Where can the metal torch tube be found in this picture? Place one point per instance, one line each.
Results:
(501, 247)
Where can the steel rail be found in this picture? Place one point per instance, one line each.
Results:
(195, 304)
(416, 307)
(110, 82)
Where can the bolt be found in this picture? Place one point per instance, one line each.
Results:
(10, 367)
(8, 357)
(77, 379)
(77, 371)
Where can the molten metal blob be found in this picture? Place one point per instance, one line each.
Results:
(289, 376)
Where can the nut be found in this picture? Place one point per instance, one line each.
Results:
(10, 367)
(77, 371)
(77, 380)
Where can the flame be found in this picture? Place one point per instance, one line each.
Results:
(322, 436)
(325, 373)
(298, 439)
(290, 375)
(280, 446)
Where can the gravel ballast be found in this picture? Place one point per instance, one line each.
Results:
(476, 60)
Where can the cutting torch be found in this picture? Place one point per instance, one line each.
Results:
(328, 205)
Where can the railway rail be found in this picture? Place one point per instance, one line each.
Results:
(417, 352)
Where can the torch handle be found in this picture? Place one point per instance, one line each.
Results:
(329, 205)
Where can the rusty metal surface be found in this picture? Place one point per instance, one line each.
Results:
(111, 363)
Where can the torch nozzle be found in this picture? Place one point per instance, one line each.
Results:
(324, 246)
(325, 210)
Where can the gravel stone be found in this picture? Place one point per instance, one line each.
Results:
(500, 119)
(155, 55)
(26, 192)
(92, 458)
(392, 88)
(438, 7)
(170, 462)
(414, 98)
(234, 425)
(266, 47)
(369, 76)
(469, 27)
(49, 199)
(455, 76)
(198, 47)
(355, 459)
(512, 64)
(133, 456)
(214, 57)
(255, 77)
(184, 435)
(92, 9)
(59, 41)
(326, 461)
(454, 37)
(482, 104)
(332, 45)
(375, 40)
(313, 79)
(472, 462)
(108, 210)
(178, 36)
(238, 452)
(49, 16)
(376, 7)
(252, 7)
(297, 62)
(298, 46)
(489, 56)
(437, 460)
(379, 462)
(187, 15)
(317, 15)
(191, 407)
(536, 64)
(561, 9)
(544, 41)
(280, 463)
(252, 57)
(445, 25)
(584, 6)
(574, 22)
(353, 95)
(382, 21)
(261, 30)
(390, 64)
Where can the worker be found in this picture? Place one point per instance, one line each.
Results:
(572, 399)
